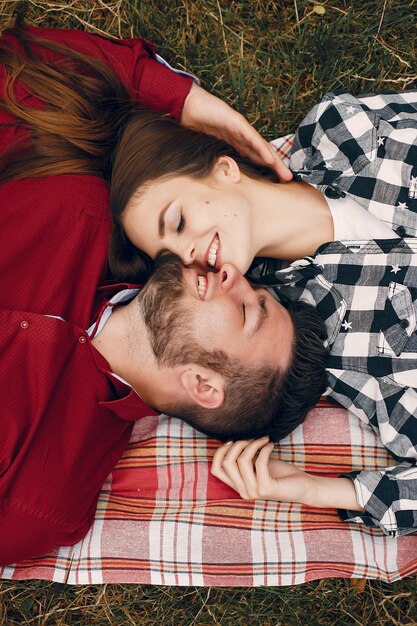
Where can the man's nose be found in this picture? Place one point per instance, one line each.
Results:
(229, 276)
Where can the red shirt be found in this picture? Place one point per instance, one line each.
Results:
(65, 420)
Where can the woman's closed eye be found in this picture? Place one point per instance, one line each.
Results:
(172, 219)
(181, 223)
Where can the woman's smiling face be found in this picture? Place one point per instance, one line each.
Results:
(206, 222)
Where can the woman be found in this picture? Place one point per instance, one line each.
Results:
(64, 97)
(353, 161)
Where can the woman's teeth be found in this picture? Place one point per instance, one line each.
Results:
(202, 286)
(212, 255)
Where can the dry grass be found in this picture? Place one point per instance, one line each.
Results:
(327, 602)
(272, 60)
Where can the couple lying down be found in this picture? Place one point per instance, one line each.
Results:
(198, 341)
(344, 318)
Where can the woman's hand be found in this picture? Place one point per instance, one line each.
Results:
(208, 114)
(255, 475)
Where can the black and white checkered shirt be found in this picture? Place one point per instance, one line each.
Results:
(366, 148)
(366, 292)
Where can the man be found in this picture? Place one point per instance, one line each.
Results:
(70, 395)
(366, 292)
(222, 376)
(65, 418)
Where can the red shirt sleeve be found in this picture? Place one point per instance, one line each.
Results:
(149, 82)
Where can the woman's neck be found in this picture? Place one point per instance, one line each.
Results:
(289, 220)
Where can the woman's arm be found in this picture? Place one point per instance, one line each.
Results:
(255, 476)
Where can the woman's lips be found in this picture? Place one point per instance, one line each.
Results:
(213, 253)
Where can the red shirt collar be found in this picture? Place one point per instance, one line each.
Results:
(129, 406)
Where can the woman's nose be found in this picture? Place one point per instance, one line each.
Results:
(188, 254)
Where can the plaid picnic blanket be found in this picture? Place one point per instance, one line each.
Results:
(163, 519)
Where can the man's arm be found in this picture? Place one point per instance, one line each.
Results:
(25, 534)
(159, 87)
(208, 114)
(246, 466)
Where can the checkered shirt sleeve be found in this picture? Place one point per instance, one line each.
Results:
(389, 496)
(366, 148)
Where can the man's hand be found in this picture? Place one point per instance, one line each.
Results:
(208, 114)
(246, 467)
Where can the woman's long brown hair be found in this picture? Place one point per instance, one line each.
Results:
(85, 106)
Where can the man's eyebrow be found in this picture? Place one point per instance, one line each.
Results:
(161, 221)
(263, 313)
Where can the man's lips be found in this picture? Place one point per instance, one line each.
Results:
(206, 284)
(201, 286)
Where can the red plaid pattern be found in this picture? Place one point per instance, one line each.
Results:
(163, 519)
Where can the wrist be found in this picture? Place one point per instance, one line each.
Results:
(335, 493)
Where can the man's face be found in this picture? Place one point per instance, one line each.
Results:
(221, 312)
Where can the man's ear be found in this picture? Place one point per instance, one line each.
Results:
(226, 168)
(203, 386)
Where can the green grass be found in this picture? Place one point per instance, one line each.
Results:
(272, 60)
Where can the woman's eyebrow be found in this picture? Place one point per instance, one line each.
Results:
(161, 221)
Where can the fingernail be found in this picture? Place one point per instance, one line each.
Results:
(228, 443)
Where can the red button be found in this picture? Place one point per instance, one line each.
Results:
(82, 339)
(24, 324)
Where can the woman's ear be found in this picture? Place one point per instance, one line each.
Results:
(203, 387)
(226, 168)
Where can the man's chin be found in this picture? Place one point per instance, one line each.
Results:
(167, 277)
(160, 304)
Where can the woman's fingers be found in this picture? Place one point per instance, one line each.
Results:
(246, 466)
(217, 464)
(267, 486)
(247, 463)
(231, 468)
(234, 464)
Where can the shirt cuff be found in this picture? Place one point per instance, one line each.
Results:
(180, 72)
(375, 501)
(163, 89)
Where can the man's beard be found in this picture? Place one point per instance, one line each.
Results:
(168, 323)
